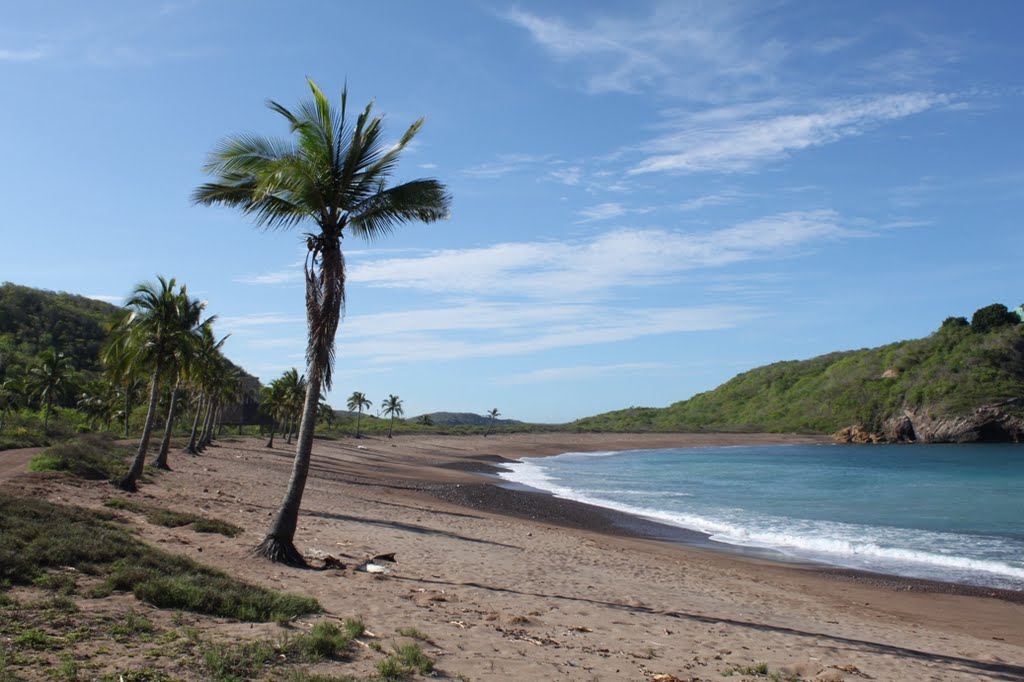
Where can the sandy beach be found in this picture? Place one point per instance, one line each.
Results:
(509, 585)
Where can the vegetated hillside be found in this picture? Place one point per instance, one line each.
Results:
(946, 376)
(32, 320)
(465, 419)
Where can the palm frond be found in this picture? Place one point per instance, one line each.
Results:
(424, 200)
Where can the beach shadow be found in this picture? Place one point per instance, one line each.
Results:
(997, 671)
(409, 527)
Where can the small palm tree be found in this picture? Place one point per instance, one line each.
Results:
(358, 402)
(11, 392)
(333, 176)
(393, 407)
(47, 381)
(161, 320)
(493, 414)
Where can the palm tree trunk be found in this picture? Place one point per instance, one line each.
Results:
(289, 425)
(273, 423)
(204, 438)
(127, 407)
(191, 449)
(391, 426)
(46, 418)
(279, 543)
(165, 444)
(129, 481)
(359, 418)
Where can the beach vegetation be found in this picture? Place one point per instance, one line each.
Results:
(992, 317)
(492, 414)
(331, 176)
(175, 519)
(89, 456)
(38, 537)
(404, 661)
(358, 402)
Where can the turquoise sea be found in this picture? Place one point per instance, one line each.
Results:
(944, 512)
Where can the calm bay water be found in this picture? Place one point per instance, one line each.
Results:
(945, 512)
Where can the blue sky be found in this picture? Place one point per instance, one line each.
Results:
(648, 197)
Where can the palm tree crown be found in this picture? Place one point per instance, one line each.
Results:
(332, 173)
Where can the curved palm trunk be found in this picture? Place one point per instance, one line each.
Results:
(129, 481)
(46, 417)
(289, 425)
(391, 426)
(165, 444)
(279, 542)
(359, 418)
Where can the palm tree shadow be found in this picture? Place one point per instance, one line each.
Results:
(408, 527)
(957, 664)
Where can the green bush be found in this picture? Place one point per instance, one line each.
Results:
(92, 457)
(992, 317)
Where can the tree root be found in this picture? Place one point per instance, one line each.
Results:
(280, 552)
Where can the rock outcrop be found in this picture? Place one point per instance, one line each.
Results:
(999, 423)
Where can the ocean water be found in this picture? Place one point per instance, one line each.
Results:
(944, 512)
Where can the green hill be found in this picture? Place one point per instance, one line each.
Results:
(32, 320)
(937, 384)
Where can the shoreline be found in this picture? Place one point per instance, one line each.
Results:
(497, 496)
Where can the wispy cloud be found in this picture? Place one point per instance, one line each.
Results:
(107, 298)
(608, 261)
(707, 200)
(688, 47)
(604, 211)
(551, 329)
(563, 374)
(286, 276)
(257, 320)
(504, 165)
(570, 175)
(737, 142)
(31, 54)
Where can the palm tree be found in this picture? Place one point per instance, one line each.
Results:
(161, 321)
(184, 362)
(47, 381)
(208, 365)
(11, 391)
(293, 393)
(332, 175)
(358, 401)
(272, 405)
(493, 414)
(119, 367)
(393, 407)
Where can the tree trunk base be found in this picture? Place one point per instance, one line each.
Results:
(191, 451)
(126, 484)
(162, 466)
(280, 552)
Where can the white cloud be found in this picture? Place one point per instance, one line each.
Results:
(606, 262)
(738, 142)
(568, 176)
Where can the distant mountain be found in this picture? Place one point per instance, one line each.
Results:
(958, 384)
(465, 419)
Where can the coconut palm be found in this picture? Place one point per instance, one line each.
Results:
(393, 406)
(11, 392)
(272, 401)
(293, 394)
(332, 175)
(493, 414)
(119, 367)
(161, 320)
(47, 381)
(208, 366)
(358, 402)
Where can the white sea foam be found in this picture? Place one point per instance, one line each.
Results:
(902, 551)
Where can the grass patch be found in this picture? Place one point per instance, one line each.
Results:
(36, 535)
(325, 640)
(227, 663)
(354, 627)
(413, 633)
(404, 661)
(175, 519)
(93, 457)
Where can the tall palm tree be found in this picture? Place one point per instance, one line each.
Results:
(493, 414)
(162, 319)
(393, 407)
(119, 367)
(207, 366)
(272, 404)
(332, 175)
(47, 381)
(293, 392)
(358, 401)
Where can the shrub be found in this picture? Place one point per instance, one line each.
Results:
(992, 317)
(92, 457)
